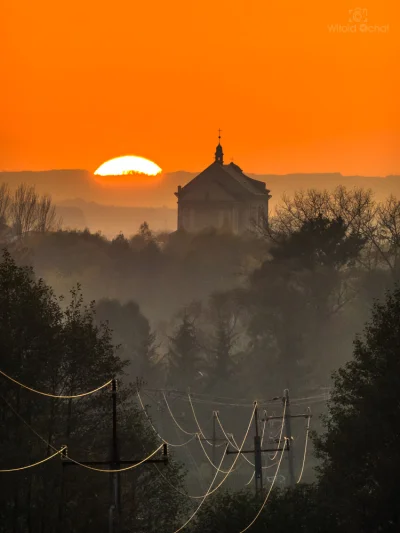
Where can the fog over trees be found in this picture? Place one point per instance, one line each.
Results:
(273, 299)
(224, 318)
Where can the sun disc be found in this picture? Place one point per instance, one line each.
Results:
(128, 164)
(128, 171)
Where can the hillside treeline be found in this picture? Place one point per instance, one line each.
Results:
(219, 312)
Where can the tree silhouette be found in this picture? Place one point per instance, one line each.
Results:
(359, 450)
(221, 339)
(184, 354)
(299, 509)
(132, 334)
(61, 350)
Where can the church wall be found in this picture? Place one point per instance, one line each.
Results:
(196, 216)
(235, 219)
(232, 216)
(255, 212)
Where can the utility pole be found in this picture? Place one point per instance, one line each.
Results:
(114, 512)
(257, 455)
(288, 432)
(214, 438)
(115, 464)
(257, 451)
(266, 458)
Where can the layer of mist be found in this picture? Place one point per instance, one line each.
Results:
(85, 204)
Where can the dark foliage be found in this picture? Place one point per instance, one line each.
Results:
(184, 354)
(298, 509)
(359, 451)
(63, 351)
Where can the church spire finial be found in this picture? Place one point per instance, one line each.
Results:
(219, 154)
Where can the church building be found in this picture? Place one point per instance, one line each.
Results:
(222, 197)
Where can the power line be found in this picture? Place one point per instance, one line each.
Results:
(174, 419)
(234, 444)
(211, 491)
(166, 480)
(281, 430)
(264, 468)
(228, 472)
(194, 435)
(61, 396)
(115, 506)
(174, 487)
(245, 402)
(34, 464)
(324, 396)
(202, 497)
(192, 460)
(268, 493)
(188, 451)
(262, 440)
(197, 435)
(286, 420)
(211, 440)
(217, 403)
(305, 448)
(240, 449)
(155, 430)
(257, 451)
(208, 493)
(197, 422)
(82, 464)
(208, 457)
(179, 392)
(233, 464)
(27, 425)
(286, 416)
(86, 464)
(214, 439)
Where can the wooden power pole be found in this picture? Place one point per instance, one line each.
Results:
(114, 515)
(214, 439)
(257, 455)
(257, 451)
(288, 432)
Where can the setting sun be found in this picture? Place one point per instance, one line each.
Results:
(127, 171)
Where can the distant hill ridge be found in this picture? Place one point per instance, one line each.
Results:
(72, 183)
(83, 203)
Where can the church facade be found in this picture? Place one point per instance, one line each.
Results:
(222, 197)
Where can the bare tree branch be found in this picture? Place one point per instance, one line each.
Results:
(5, 201)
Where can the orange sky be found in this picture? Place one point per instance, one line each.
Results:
(85, 81)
